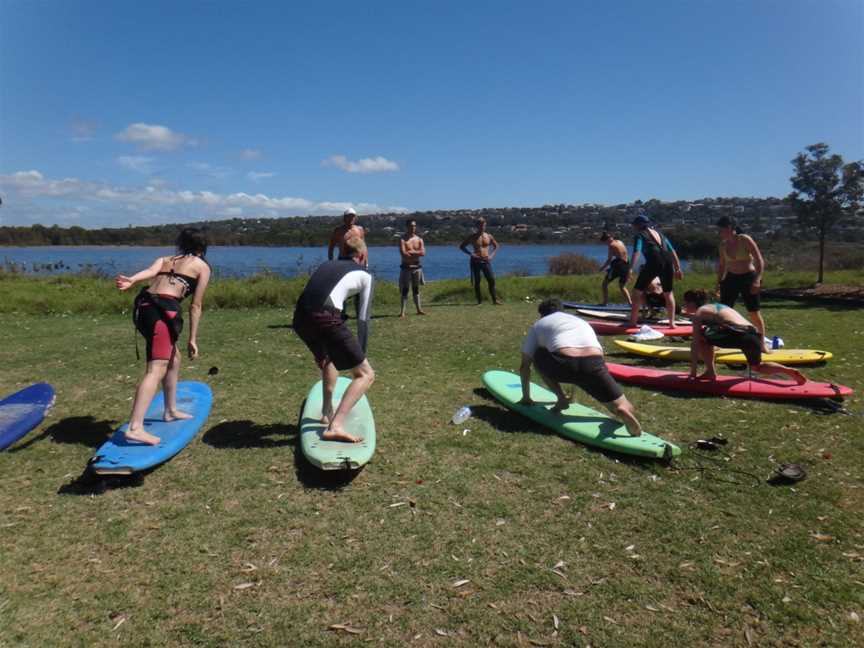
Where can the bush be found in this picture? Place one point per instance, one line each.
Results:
(570, 263)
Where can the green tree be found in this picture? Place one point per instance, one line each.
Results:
(825, 191)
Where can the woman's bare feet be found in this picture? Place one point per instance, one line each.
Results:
(140, 435)
(707, 376)
(176, 415)
(421, 312)
(338, 434)
(326, 416)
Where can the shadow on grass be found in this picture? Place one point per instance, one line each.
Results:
(89, 483)
(81, 430)
(280, 326)
(238, 435)
(247, 434)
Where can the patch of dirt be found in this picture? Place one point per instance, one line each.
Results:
(825, 293)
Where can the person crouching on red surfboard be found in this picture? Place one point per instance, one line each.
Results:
(566, 350)
(719, 325)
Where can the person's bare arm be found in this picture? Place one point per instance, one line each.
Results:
(464, 245)
(422, 251)
(758, 263)
(125, 283)
(608, 260)
(195, 310)
(695, 342)
(525, 377)
(403, 248)
(494, 247)
(721, 264)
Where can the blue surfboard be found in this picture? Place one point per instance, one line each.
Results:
(23, 411)
(117, 456)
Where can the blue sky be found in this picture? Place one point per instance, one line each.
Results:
(124, 112)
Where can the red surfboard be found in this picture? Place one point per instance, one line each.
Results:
(621, 328)
(732, 386)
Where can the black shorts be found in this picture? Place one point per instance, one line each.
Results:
(588, 372)
(619, 269)
(650, 271)
(746, 338)
(734, 285)
(328, 338)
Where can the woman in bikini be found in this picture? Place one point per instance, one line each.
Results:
(739, 272)
(157, 316)
(719, 325)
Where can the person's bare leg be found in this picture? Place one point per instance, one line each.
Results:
(169, 389)
(759, 323)
(605, 288)
(362, 378)
(638, 296)
(670, 307)
(329, 376)
(420, 310)
(404, 301)
(623, 408)
(563, 402)
(626, 294)
(144, 394)
(706, 352)
(775, 368)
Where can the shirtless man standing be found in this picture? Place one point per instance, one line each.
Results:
(341, 234)
(616, 266)
(412, 249)
(485, 247)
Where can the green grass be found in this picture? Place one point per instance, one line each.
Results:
(686, 557)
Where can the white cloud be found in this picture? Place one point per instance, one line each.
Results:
(257, 176)
(250, 154)
(151, 137)
(40, 199)
(82, 130)
(210, 170)
(137, 163)
(366, 165)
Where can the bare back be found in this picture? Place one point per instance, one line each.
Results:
(165, 283)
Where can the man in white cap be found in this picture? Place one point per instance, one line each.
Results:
(348, 229)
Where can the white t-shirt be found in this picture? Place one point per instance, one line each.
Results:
(560, 330)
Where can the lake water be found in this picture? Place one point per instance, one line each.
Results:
(441, 261)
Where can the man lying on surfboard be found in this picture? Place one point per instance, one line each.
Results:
(719, 325)
(319, 323)
(566, 350)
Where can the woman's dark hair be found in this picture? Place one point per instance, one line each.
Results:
(728, 221)
(549, 306)
(191, 240)
(698, 297)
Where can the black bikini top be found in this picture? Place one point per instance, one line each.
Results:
(189, 283)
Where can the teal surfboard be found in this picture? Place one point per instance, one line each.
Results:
(577, 422)
(336, 455)
(117, 456)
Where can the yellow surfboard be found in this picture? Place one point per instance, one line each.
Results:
(727, 356)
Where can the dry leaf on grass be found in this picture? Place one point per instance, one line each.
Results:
(344, 627)
(821, 537)
(243, 586)
(440, 632)
(555, 621)
(122, 620)
(460, 583)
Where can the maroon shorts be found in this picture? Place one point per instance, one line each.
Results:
(159, 320)
(328, 338)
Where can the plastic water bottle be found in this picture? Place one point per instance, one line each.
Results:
(461, 415)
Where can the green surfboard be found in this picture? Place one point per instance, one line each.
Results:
(577, 422)
(336, 455)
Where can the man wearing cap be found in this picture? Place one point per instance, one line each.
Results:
(616, 266)
(661, 261)
(348, 229)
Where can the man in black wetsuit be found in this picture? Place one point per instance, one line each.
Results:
(318, 321)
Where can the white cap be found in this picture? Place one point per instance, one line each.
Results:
(349, 212)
